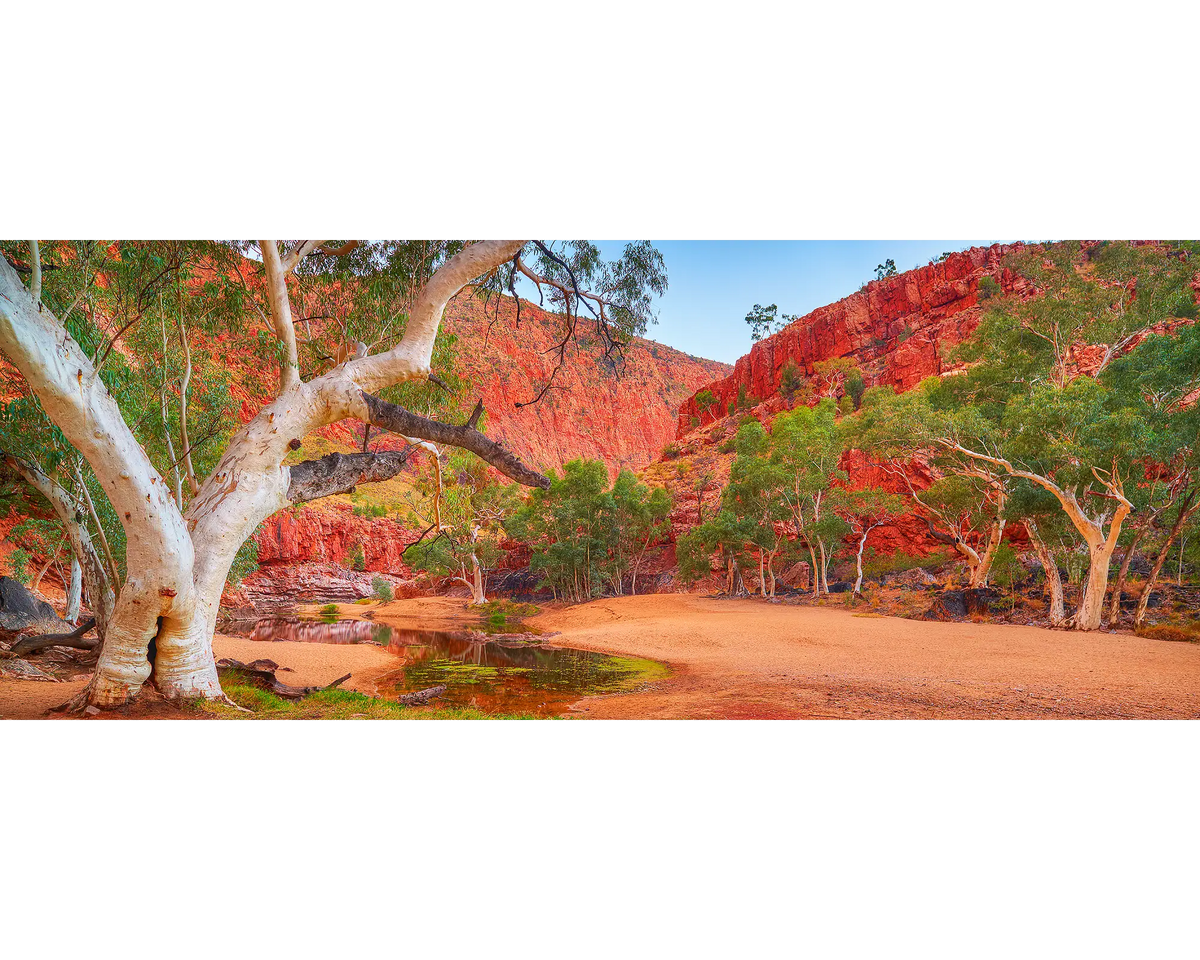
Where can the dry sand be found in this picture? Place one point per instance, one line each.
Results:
(750, 658)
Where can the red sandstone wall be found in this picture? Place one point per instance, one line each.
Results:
(894, 329)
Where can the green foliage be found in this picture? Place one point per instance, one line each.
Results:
(879, 564)
(790, 381)
(245, 562)
(587, 537)
(1006, 567)
(370, 510)
(693, 557)
(472, 505)
(19, 562)
(988, 287)
(885, 269)
(355, 558)
(765, 321)
(856, 386)
(382, 589)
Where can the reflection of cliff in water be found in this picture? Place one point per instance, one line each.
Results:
(308, 631)
(503, 675)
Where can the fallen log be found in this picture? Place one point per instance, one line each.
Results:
(27, 644)
(261, 673)
(421, 697)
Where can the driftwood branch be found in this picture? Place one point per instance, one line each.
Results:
(75, 639)
(261, 673)
(422, 697)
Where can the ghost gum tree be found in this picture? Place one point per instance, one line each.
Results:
(1041, 402)
(179, 545)
(962, 501)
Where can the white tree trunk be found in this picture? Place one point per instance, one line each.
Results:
(74, 590)
(176, 567)
(1058, 613)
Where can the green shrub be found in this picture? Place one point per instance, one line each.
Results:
(382, 589)
(877, 565)
(988, 288)
(355, 559)
(19, 560)
(329, 608)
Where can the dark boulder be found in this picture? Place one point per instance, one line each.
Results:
(843, 586)
(21, 611)
(948, 605)
(977, 600)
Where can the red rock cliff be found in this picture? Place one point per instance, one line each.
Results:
(894, 328)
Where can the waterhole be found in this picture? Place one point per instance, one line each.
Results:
(496, 674)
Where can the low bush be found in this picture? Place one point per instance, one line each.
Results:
(1180, 633)
(382, 589)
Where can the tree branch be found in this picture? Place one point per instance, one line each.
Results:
(408, 424)
(341, 473)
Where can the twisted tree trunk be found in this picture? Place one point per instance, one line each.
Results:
(178, 564)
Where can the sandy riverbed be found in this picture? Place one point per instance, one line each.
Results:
(748, 658)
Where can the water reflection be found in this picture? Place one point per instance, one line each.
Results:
(312, 631)
(500, 674)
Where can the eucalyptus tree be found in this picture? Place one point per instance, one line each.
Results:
(568, 527)
(1163, 373)
(1046, 525)
(754, 499)
(865, 510)
(1034, 403)
(177, 556)
(964, 503)
(463, 508)
(806, 446)
(640, 517)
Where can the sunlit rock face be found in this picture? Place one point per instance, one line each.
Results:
(895, 329)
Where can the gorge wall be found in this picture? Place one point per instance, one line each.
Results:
(895, 329)
(622, 418)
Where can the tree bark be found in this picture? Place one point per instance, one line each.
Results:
(74, 591)
(1058, 614)
(1089, 613)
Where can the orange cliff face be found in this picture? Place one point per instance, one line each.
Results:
(622, 416)
(894, 328)
(622, 420)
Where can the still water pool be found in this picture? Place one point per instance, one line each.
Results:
(496, 675)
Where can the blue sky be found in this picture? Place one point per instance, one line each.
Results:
(713, 284)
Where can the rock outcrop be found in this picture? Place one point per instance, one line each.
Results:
(895, 328)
